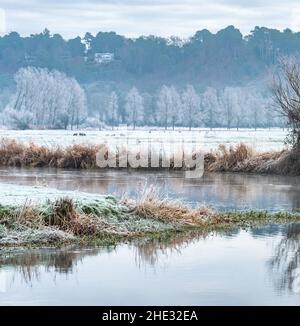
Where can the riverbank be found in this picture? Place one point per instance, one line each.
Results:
(241, 158)
(244, 159)
(107, 221)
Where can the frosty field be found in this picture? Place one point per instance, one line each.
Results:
(261, 139)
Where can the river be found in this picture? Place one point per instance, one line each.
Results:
(257, 266)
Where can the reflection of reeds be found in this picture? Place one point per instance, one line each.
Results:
(28, 263)
(148, 251)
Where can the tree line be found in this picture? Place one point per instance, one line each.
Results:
(51, 99)
(206, 59)
(170, 107)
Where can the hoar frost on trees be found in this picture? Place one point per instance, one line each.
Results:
(227, 102)
(190, 106)
(112, 113)
(134, 107)
(169, 106)
(210, 107)
(46, 99)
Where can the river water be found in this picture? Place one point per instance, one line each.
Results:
(221, 191)
(257, 266)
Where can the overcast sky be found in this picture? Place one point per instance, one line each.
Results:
(143, 17)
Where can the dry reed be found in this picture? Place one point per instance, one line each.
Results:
(153, 205)
(241, 158)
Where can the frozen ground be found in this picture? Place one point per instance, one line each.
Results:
(261, 139)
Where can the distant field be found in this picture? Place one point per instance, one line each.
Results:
(261, 139)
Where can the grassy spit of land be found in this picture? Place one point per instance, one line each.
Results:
(107, 220)
(241, 158)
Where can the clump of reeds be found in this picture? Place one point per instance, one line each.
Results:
(14, 153)
(151, 204)
(243, 158)
(151, 213)
(61, 214)
(78, 156)
(288, 162)
(227, 159)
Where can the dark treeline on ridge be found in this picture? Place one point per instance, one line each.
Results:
(224, 58)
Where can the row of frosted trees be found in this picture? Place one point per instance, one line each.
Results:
(232, 107)
(50, 99)
(46, 99)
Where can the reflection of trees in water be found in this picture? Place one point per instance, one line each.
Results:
(28, 263)
(286, 260)
(150, 251)
(295, 200)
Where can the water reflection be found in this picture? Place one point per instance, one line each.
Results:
(151, 251)
(286, 260)
(225, 250)
(30, 264)
(222, 191)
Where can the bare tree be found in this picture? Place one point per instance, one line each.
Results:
(46, 99)
(113, 109)
(210, 107)
(286, 96)
(134, 107)
(169, 105)
(191, 105)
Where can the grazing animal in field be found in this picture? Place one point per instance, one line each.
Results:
(79, 134)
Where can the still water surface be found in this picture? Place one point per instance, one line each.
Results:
(259, 266)
(241, 267)
(221, 191)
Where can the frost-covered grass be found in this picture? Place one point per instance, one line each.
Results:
(106, 220)
(65, 220)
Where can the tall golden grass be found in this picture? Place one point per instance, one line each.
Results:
(151, 204)
(78, 156)
(243, 158)
(240, 158)
(19, 154)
